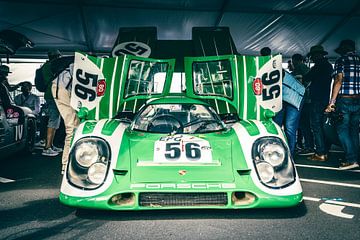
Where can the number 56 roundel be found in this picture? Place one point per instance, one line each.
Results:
(182, 149)
(88, 83)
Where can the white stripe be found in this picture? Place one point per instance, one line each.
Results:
(245, 102)
(112, 90)
(121, 80)
(237, 82)
(330, 183)
(257, 102)
(348, 204)
(323, 167)
(97, 110)
(312, 199)
(356, 205)
(6, 180)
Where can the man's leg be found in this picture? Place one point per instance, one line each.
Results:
(71, 121)
(317, 121)
(53, 124)
(345, 130)
(291, 125)
(50, 137)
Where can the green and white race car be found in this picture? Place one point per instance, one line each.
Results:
(212, 145)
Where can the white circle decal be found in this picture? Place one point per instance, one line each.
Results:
(132, 48)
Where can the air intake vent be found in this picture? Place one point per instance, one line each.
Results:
(182, 199)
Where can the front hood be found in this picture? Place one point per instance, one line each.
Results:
(181, 158)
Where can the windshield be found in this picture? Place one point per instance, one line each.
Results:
(178, 118)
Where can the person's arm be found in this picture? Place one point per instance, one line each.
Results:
(335, 91)
(12, 88)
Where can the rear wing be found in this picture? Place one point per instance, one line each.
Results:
(247, 85)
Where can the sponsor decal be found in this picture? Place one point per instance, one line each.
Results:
(132, 48)
(183, 186)
(101, 87)
(257, 86)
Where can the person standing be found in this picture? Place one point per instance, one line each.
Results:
(4, 91)
(61, 90)
(299, 71)
(54, 115)
(320, 77)
(27, 99)
(346, 95)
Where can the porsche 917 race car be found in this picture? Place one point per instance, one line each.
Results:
(212, 145)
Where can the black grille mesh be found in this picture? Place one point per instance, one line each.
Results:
(182, 199)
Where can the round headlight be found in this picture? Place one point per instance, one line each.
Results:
(86, 154)
(266, 171)
(97, 173)
(273, 154)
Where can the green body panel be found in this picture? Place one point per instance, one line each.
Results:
(121, 183)
(109, 127)
(89, 127)
(251, 127)
(270, 127)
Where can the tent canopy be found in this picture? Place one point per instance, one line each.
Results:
(286, 26)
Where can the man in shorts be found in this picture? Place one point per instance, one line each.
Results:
(54, 116)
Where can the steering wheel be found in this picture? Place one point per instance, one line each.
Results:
(166, 118)
(204, 123)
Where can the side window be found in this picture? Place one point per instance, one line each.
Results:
(145, 78)
(213, 78)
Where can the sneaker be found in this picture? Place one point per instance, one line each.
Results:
(49, 152)
(306, 152)
(348, 166)
(56, 149)
(39, 145)
(316, 157)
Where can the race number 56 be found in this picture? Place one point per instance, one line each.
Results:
(132, 48)
(86, 82)
(269, 79)
(182, 149)
(173, 151)
(88, 85)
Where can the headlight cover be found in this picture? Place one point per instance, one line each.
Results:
(89, 162)
(273, 163)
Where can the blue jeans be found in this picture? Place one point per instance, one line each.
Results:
(305, 127)
(289, 116)
(317, 122)
(348, 129)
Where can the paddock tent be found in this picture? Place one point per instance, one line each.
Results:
(286, 26)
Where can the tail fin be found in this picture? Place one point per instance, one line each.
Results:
(213, 41)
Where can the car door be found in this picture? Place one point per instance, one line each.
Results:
(246, 85)
(102, 87)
